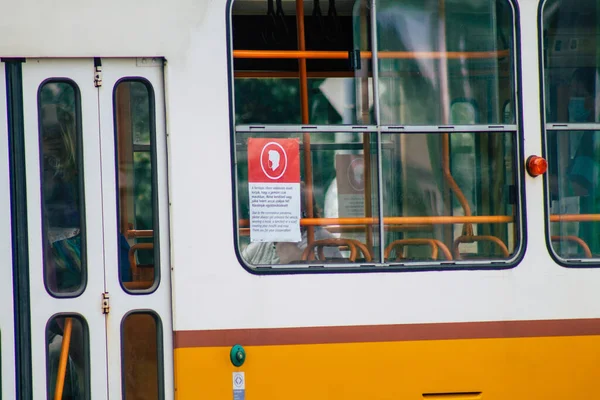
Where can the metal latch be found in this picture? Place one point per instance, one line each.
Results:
(97, 72)
(105, 303)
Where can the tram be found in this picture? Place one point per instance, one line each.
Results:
(291, 199)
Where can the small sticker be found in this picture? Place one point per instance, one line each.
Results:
(239, 386)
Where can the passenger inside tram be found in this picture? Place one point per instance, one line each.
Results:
(60, 184)
(62, 191)
(61, 198)
(266, 253)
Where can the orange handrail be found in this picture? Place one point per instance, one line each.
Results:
(432, 220)
(138, 233)
(64, 356)
(302, 70)
(309, 253)
(293, 74)
(467, 228)
(578, 240)
(343, 55)
(444, 248)
(574, 217)
(479, 238)
(360, 228)
(400, 243)
(366, 252)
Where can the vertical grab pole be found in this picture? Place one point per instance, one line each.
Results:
(308, 174)
(62, 363)
(445, 104)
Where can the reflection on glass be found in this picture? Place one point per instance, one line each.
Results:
(573, 173)
(571, 60)
(417, 183)
(62, 188)
(268, 90)
(135, 133)
(332, 100)
(140, 357)
(570, 87)
(67, 362)
(343, 188)
(465, 52)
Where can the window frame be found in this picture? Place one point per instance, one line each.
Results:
(86, 347)
(81, 183)
(557, 127)
(154, 178)
(380, 129)
(160, 364)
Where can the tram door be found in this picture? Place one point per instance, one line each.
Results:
(98, 229)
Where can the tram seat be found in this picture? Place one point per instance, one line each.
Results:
(140, 272)
(363, 249)
(354, 246)
(575, 239)
(478, 238)
(436, 246)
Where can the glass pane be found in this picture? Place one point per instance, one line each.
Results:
(62, 188)
(342, 189)
(135, 134)
(574, 174)
(430, 55)
(267, 86)
(141, 366)
(67, 358)
(571, 58)
(432, 182)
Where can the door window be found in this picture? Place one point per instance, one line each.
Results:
(61, 175)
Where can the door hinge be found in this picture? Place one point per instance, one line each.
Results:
(105, 303)
(97, 72)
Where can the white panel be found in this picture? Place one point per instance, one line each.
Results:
(211, 289)
(99, 28)
(44, 306)
(7, 342)
(122, 303)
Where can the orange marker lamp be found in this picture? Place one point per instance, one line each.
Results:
(536, 165)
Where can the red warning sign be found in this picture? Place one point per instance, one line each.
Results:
(274, 190)
(273, 160)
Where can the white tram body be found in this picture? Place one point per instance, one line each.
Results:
(524, 326)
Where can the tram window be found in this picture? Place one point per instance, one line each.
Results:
(572, 130)
(336, 192)
(443, 194)
(476, 39)
(62, 187)
(141, 363)
(67, 358)
(134, 124)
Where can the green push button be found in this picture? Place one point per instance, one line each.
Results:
(237, 355)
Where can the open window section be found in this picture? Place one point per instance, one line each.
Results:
(375, 133)
(61, 175)
(136, 185)
(571, 56)
(67, 358)
(142, 356)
